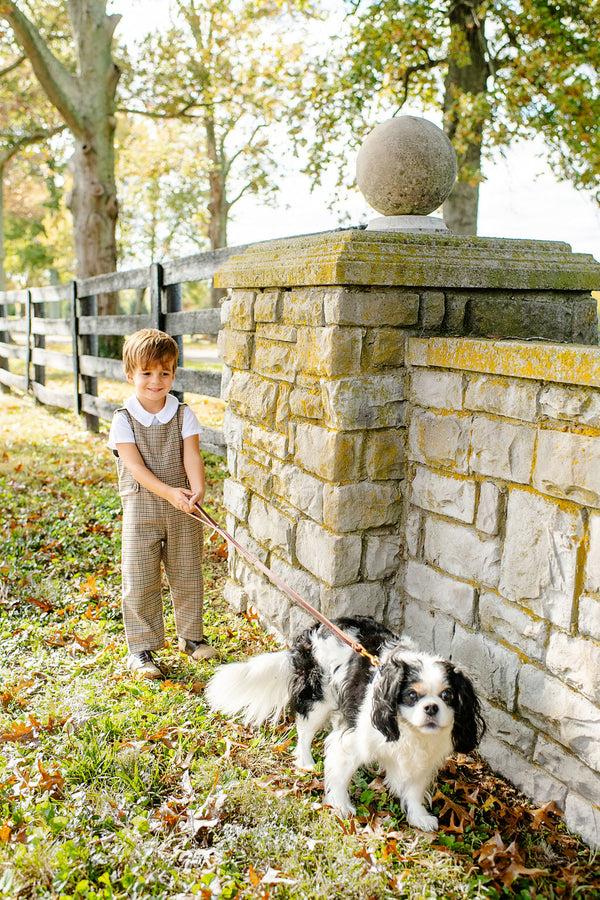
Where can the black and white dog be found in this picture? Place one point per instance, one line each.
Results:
(407, 714)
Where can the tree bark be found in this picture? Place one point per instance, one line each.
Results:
(218, 207)
(86, 101)
(467, 75)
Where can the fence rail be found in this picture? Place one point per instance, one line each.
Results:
(28, 318)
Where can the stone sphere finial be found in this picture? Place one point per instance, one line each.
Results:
(405, 169)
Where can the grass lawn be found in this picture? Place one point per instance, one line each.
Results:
(116, 788)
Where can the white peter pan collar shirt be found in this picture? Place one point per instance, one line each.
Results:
(121, 431)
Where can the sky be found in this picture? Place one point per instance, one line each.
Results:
(520, 197)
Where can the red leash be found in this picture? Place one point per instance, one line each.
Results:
(278, 582)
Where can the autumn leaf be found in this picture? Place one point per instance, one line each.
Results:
(503, 863)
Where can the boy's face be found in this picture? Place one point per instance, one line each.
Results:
(152, 384)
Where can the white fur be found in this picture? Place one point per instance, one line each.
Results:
(261, 688)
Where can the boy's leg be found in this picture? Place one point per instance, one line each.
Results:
(182, 558)
(141, 578)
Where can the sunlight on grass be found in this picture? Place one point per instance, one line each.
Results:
(114, 788)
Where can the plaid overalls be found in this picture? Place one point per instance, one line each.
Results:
(154, 531)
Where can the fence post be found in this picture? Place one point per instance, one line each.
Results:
(4, 337)
(28, 317)
(39, 341)
(156, 291)
(75, 337)
(174, 303)
(88, 306)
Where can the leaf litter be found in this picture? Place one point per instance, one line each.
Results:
(116, 788)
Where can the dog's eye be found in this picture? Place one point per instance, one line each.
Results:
(410, 698)
(447, 696)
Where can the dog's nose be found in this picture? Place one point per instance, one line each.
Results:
(432, 709)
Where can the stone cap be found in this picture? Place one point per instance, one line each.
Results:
(441, 260)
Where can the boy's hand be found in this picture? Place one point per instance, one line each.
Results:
(197, 498)
(183, 499)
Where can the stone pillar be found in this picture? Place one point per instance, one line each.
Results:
(314, 338)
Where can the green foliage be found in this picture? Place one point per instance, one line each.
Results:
(112, 788)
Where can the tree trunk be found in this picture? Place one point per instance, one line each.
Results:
(467, 75)
(86, 101)
(218, 206)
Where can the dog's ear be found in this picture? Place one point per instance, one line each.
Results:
(386, 698)
(469, 726)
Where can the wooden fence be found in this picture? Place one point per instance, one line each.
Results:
(25, 323)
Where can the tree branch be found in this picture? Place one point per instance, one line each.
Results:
(61, 87)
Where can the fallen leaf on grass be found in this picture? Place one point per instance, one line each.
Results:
(455, 818)
(503, 863)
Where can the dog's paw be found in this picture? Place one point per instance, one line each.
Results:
(305, 765)
(339, 805)
(421, 819)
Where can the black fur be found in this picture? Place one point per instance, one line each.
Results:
(469, 725)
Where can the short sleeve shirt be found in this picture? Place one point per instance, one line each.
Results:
(121, 431)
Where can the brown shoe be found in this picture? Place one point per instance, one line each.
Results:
(197, 649)
(143, 665)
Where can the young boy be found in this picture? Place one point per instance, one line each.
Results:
(161, 478)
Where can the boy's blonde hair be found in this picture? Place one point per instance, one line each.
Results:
(148, 347)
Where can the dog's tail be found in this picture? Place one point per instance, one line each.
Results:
(258, 688)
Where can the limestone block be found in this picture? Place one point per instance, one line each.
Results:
(552, 757)
(432, 309)
(561, 713)
(236, 499)
(301, 490)
(305, 584)
(275, 359)
(440, 439)
(441, 593)
(441, 390)
(253, 453)
(385, 347)
(413, 531)
(332, 558)
(304, 306)
(508, 622)
(488, 508)
(455, 312)
(360, 599)
(382, 555)
(510, 397)
(306, 404)
(394, 611)
(271, 528)
(282, 411)
(385, 454)
(225, 310)
(248, 542)
(274, 331)
(592, 562)
(240, 313)
(252, 397)
(589, 616)
(233, 429)
(254, 476)
(444, 494)
(365, 401)
(508, 728)
(529, 778)
(583, 818)
(331, 455)
(232, 462)
(271, 604)
(271, 443)
(462, 552)
(575, 404)
(331, 352)
(584, 324)
(226, 376)
(353, 507)
(235, 348)
(577, 661)
(299, 621)
(267, 306)
(502, 450)
(235, 596)
(372, 308)
(568, 465)
(539, 560)
(430, 630)
(494, 668)
(525, 314)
